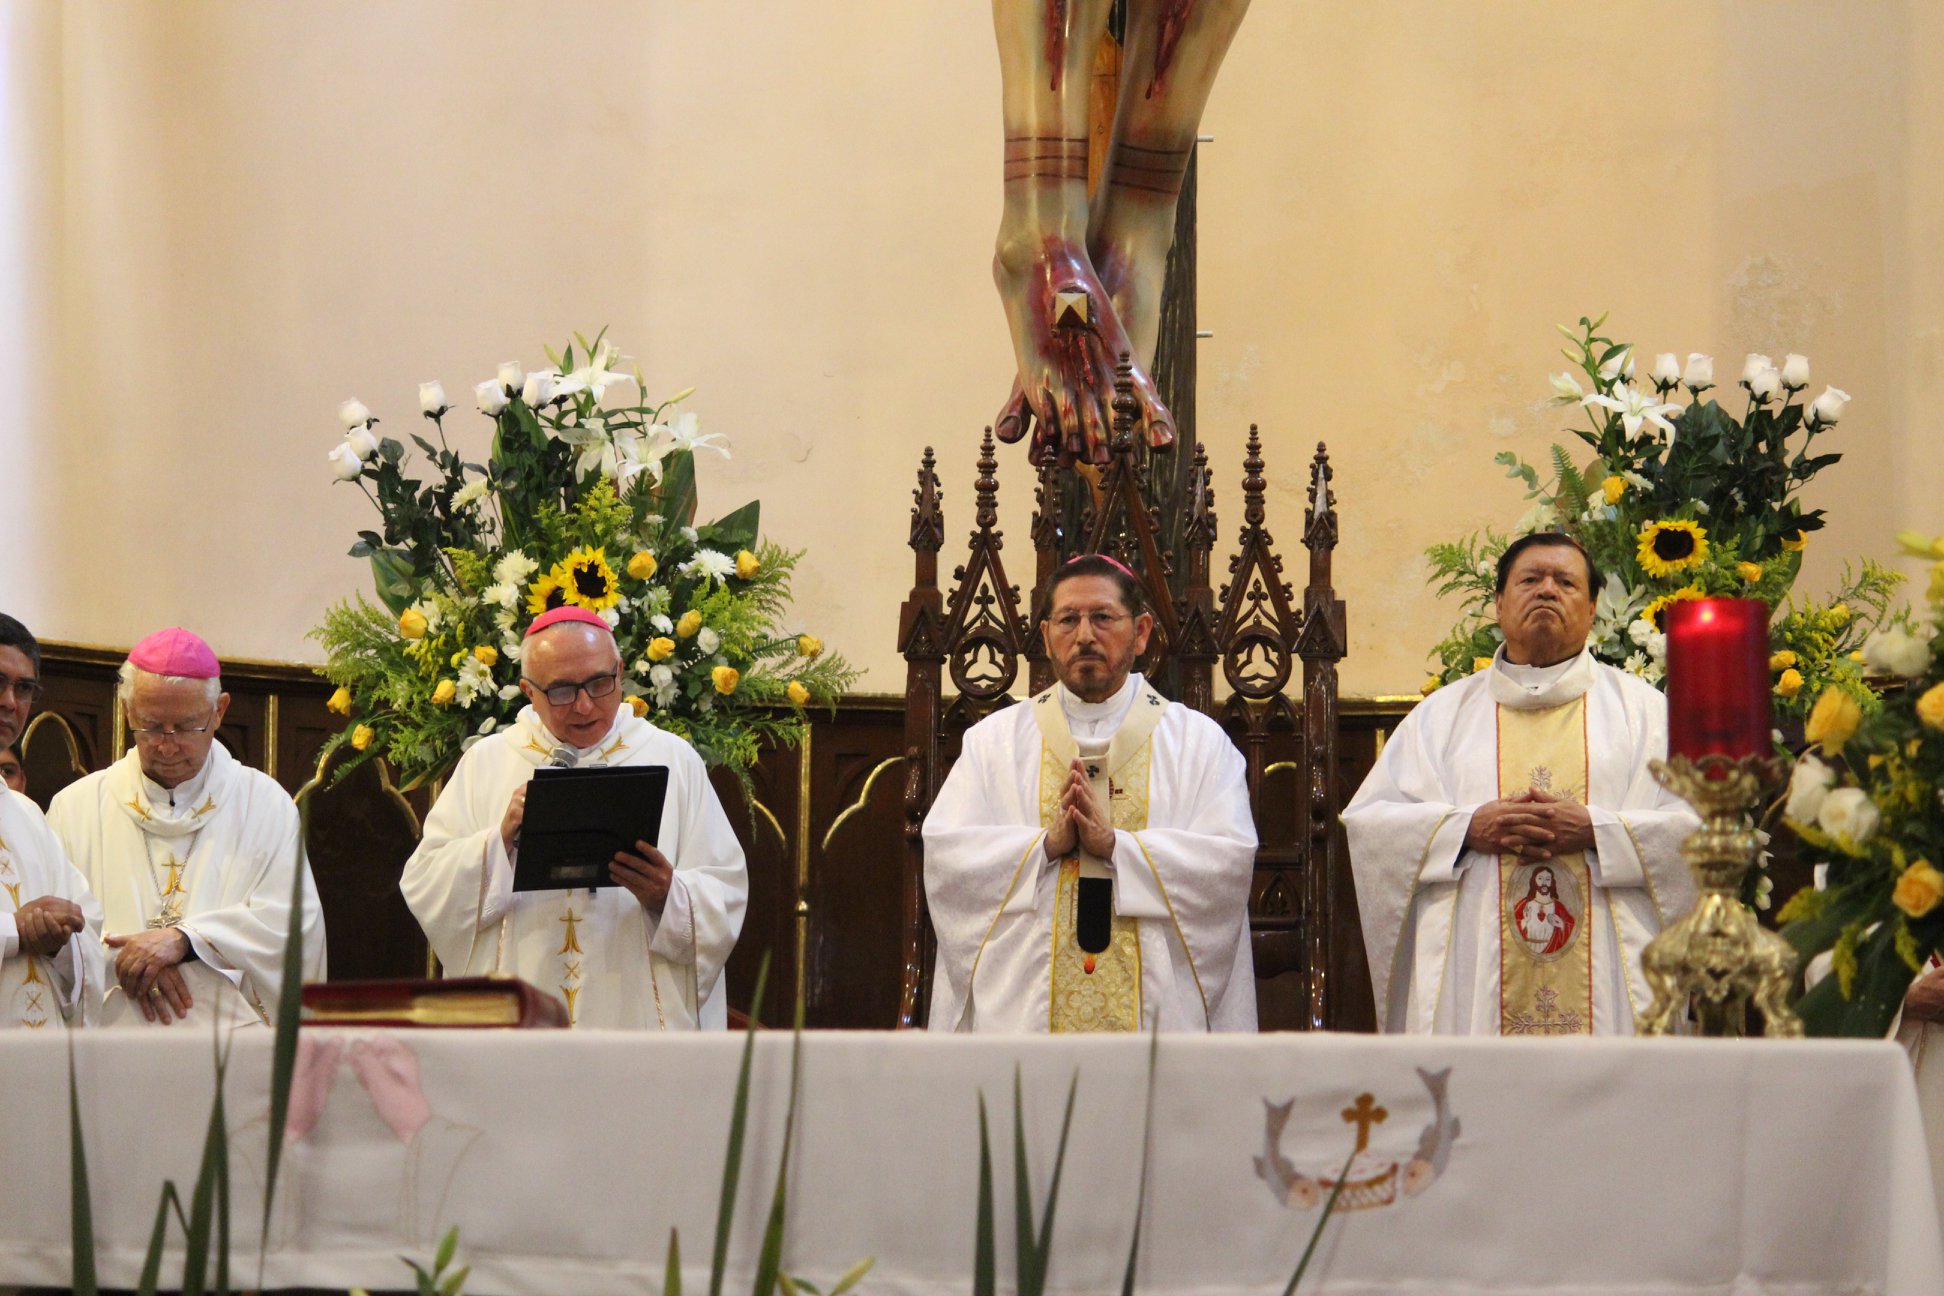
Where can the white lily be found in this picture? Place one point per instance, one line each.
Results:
(591, 439)
(1566, 388)
(682, 431)
(1634, 408)
(595, 376)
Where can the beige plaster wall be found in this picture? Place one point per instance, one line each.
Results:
(221, 218)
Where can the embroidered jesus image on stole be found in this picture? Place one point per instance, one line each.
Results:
(1096, 991)
(1545, 944)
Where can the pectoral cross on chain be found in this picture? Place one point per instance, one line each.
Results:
(173, 893)
(1363, 1115)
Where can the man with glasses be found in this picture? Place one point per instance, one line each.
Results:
(1087, 862)
(51, 962)
(192, 853)
(645, 952)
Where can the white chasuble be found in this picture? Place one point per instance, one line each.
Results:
(37, 992)
(1177, 952)
(611, 961)
(213, 857)
(1465, 942)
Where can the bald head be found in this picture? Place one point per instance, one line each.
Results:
(580, 665)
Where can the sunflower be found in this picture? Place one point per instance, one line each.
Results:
(546, 594)
(1673, 546)
(587, 581)
(1654, 613)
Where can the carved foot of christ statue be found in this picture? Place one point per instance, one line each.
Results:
(1076, 307)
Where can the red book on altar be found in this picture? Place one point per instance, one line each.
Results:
(457, 1001)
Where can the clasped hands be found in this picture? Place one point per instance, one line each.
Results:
(44, 925)
(145, 964)
(1082, 818)
(1533, 824)
(644, 871)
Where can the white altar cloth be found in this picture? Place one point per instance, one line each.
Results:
(1609, 1167)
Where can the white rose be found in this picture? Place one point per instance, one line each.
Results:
(1753, 366)
(510, 377)
(1566, 387)
(432, 399)
(661, 676)
(1808, 785)
(362, 443)
(537, 390)
(1657, 646)
(1795, 372)
(708, 641)
(353, 414)
(1829, 406)
(1620, 365)
(508, 692)
(1895, 652)
(1764, 385)
(1848, 813)
(345, 463)
(1699, 374)
(1667, 370)
(491, 397)
(1640, 630)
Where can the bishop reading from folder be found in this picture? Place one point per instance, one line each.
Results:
(646, 952)
(1087, 862)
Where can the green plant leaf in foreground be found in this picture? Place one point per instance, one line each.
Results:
(81, 1202)
(1147, 1149)
(1329, 1206)
(738, 1120)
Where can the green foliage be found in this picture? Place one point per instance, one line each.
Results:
(1733, 479)
(572, 491)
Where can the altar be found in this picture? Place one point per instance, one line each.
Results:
(565, 1160)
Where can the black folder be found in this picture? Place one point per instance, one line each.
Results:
(576, 819)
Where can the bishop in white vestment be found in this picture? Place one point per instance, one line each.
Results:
(1513, 855)
(1097, 783)
(192, 853)
(646, 953)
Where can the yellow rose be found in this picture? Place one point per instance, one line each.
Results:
(1797, 543)
(486, 655)
(1431, 685)
(798, 694)
(1789, 684)
(747, 565)
(1856, 654)
(1930, 707)
(638, 705)
(444, 692)
(1614, 487)
(660, 649)
(340, 702)
(1919, 889)
(643, 566)
(1834, 719)
(1782, 660)
(1748, 571)
(361, 737)
(411, 623)
(810, 645)
(1480, 663)
(691, 622)
(726, 678)
(458, 656)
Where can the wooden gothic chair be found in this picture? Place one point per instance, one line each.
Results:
(981, 634)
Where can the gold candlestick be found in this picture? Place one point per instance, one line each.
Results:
(1717, 956)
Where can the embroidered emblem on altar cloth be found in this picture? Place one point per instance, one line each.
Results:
(1375, 1172)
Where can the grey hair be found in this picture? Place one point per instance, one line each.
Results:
(125, 684)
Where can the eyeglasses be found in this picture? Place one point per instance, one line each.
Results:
(26, 690)
(562, 695)
(173, 733)
(1068, 622)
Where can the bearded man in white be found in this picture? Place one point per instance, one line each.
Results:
(646, 953)
(1087, 862)
(51, 963)
(191, 852)
(1513, 855)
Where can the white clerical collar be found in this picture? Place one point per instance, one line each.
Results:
(184, 795)
(555, 742)
(1523, 687)
(1099, 719)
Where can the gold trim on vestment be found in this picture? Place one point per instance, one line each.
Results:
(1404, 925)
(1545, 940)
(1093, 992)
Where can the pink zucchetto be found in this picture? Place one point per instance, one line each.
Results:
(562, 615)
(176, 652)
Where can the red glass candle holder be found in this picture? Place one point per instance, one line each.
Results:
(1718, 678)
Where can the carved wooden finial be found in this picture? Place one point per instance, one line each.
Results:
(1200, 531)
(1046, 510)
(1254, 513)
(988, 483)
(927, 521)
(1125, 406)
(1319, 519)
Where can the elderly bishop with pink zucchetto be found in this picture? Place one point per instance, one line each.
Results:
(190, 851)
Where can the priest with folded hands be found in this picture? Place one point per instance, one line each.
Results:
(191, 852)
(644, 952)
